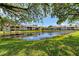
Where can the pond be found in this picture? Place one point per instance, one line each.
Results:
(36, 35)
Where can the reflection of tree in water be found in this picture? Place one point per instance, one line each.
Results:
(40, 33)
(50, 33)
(31, 34)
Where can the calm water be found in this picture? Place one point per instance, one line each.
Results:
(36, 35)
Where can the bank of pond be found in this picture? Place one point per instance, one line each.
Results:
(60, 45)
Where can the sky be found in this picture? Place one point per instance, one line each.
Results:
(50, 21)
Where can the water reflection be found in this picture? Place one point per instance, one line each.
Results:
(35, 35)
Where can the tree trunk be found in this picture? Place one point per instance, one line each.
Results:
(2, 25)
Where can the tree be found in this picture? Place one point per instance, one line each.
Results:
(66, 11)
(50, 26)
(5, 22)
(30, 13)
(27, 12)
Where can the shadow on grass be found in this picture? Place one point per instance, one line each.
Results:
(69, 46)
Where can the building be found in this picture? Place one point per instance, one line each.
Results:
(20, 27)
(35, 27)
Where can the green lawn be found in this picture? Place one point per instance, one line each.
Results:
(66, 45)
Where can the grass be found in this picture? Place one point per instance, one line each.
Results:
(66, 45)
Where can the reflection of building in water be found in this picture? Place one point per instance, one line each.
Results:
(20, 36)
